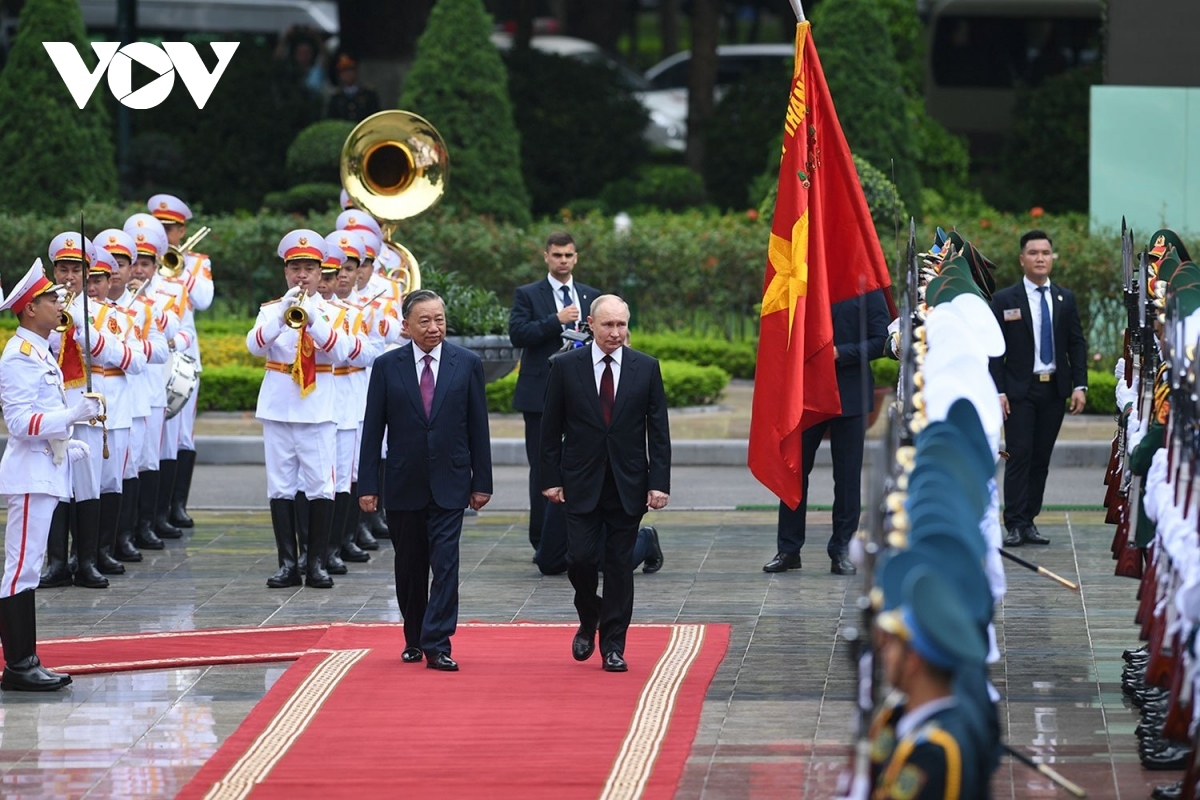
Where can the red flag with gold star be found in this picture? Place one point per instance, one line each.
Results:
(304, 368)
(823, 250)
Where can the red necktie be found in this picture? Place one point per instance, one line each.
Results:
(427, 385)
(606, 391)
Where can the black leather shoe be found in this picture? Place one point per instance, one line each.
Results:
(583, 645)
(654, 560)
(284, 578)
(782, 562)
(442, 662)
(1137, 653)
(28, 675)
(1171, 757)
(615, 662)
(1032, 535)
(1013, 538)
(1170, 791)
(842, 565)
(411, 655)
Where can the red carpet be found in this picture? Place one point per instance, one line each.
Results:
(520, 720)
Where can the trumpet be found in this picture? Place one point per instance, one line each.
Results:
(65, 320)
(173, 259)
(296, 317)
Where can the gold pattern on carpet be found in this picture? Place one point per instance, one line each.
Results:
(285, 728)
(635, 760)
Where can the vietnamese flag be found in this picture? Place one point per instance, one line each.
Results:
(304, 368)
(823, 250)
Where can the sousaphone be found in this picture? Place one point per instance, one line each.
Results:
(395, 166)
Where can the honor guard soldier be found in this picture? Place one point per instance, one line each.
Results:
(196, 276)
(67, 252)
(166, 299)
(297, 406)
(370, 282)
(118, 402)
(34, 471)
(145, 331)
(343, 249)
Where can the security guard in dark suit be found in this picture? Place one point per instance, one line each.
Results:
(351, 101)
(846, 434)
(541, 311)
(1044, 366)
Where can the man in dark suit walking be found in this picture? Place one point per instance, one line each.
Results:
(541, 311)
(1044, 365)
(429, 396)
(606, 455)
(847, 434)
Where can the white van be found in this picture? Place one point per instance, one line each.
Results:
(979, 51)
(217, 16)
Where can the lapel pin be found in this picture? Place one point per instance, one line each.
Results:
(1060, 298)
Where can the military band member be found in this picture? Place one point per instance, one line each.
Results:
(67, 252)
(296, 404)
(34, 471)
(166, 300)
(197, 280)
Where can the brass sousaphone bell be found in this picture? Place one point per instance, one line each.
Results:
(395, 166)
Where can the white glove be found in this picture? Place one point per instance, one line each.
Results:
(1125, 394)
(87, 408)
(1137, 431)
(289, 297)
(77, 450)
(1119, 369)
(319, 328)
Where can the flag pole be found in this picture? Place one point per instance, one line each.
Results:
(798, 9)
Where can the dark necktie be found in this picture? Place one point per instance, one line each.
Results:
(427, 385)
(1047, 337)
(606, 391)
(566, 301)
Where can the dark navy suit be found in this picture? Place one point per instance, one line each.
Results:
(847, 432)
(434, 464)
(533, 325)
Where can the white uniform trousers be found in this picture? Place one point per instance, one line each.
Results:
(300, 457)
(85, 474)
(169, 449)
(137, 440)
(187, 427)
(112, 469)
(357, 443)
(25, 541)
(152, 442)
(347, 455)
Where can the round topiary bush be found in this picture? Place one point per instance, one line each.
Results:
(316, 152)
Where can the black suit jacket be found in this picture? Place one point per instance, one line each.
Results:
(445, 457)
(533, 325)
(577, 447)
(856, 353)
(1013, 372)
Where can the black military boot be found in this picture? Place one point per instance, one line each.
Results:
(87, 536)
(302, 530)
(127, 522)
(144, 535)
(283, 521)
(334, 564)
(344, 529)
(362, 532)
(185, 465)
(23, 672)
(110, 512)
(320, 525)
(162, 501)
(55, 572)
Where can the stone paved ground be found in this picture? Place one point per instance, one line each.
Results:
(777, 719)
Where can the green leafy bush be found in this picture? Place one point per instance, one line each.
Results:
(685, 385)
(459, 84)
(232, 388)
(1101, 395)
(55, 156)
(885, 372)
(565, 154)
(747, 120)
(316, 153)
(661, 186)
(471, 310)
(736, 358)
(303, 198)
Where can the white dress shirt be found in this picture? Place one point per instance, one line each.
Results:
(598, 366)
(435, 365)
(1035, 312)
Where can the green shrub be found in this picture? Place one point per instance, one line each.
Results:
(303, 198)
(500, 394)
(55, 155)
(745, 123)
(471, 310)
(885, 372)
(316, 153)
(1101, 394)
(685, 385)
(661, 186)
(565, 154)
(941, 156)
(459, 84)
(736, 358)
(230, 388)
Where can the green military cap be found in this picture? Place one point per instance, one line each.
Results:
(1188, 299)
(954, 558)
(945, 288)
(965, 418)
(980, 266)
(1165, 238)
(933, 621)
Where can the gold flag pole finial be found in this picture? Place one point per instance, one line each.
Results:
(799, 10)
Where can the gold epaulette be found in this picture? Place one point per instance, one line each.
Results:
(26, 348)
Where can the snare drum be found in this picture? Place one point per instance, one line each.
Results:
(182, 381)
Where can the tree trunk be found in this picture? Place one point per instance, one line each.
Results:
(524, 19)
(702, 76)
(668, 26)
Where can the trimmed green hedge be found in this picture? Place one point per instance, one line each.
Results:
(685, 384)
(229, 388)
(735, 358)
(1101, 395)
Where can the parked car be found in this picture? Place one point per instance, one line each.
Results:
(667, 97)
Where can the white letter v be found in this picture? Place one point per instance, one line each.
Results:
(80, 83)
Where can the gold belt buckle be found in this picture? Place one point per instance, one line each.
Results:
(1045, 377)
